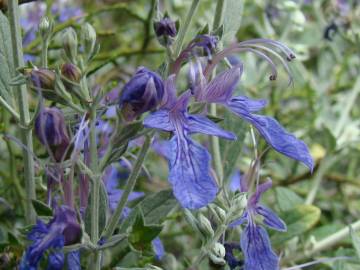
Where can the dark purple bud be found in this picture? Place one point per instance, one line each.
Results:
(165, 27)
(71, 72)
(50, 127)
(142, 93)
(43, 78)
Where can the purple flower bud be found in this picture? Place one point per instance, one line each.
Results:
(142, 93)
(50, 129)
(207, 42)
(71, 72)
(43, 78)
(165, 27)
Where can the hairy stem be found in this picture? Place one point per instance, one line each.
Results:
(220, 7)
(44, 53)
(95, 189)
(128, 189)
(26, 133)
(325, 243)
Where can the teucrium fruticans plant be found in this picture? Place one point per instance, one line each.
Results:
(90, 137)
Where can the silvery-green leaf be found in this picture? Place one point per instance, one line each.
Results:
(287, 199)
(6, 59)
(232, 19)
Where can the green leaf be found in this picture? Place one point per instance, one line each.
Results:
(6, 59)
(232, 19)
(298, 220)
(126, 133)
(41, 208)
(103, 210)
(142, 233)
(287, 199)
(120, 141)
(113, 241)
(154, 207)
(356, 241)
(157, 206)
(232, 149)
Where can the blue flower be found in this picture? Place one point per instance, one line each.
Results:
(189, 162)
(142, 93)
(62, 230)
(220, 90)
(255, 242)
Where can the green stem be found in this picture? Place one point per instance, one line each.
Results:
(204, 251)
(325, 243)
(329, 161)
(215, 146)
(350, 102)
(9, 109)
(128, 189)
(218, 20)
(325, 164)
(44, 53)
(95, 190)
(26, 133)
(184, 29)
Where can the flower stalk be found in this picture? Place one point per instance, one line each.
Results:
(24, 115)
(95, 190)
(219, 12)
(184, 29)
(114, 220)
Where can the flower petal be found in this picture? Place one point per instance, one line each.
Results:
(169, 97)
(240, 221)
(255, 244)
(73, 260)
(275, 135)
(238, 182)
(271, 219)
(158, 248)
(159, 120)
(250, 105)
(221, 88)
(162, 148)
(260, 189)
(189, 167)
(201, 124)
